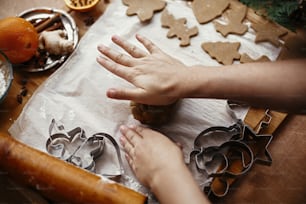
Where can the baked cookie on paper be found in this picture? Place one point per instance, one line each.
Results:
(268, 32)
(144, 9)
(177, 27)
(207, 10)
(224, 52)
(245, 58)
(235, 16)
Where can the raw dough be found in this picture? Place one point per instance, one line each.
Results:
(235, 16)
(177, 27)
(152, 115)
(144, 9)
(207, 10)
(245, 58)
(268, 31)
(223, 52)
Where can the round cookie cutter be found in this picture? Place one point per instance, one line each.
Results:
(69, 26)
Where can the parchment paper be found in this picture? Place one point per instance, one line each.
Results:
(75, 94)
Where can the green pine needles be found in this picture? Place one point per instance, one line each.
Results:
(288, 13)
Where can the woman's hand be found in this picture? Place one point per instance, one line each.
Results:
(159, 79)
(158, 164)
(150, 154)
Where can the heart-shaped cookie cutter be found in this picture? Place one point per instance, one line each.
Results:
(74, 147)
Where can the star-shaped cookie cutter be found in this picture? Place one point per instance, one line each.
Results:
(228, 160)
(258, 143)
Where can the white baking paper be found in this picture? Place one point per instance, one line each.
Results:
(75, 94)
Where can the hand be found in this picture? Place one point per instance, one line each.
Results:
(158, 78)
(150, 154)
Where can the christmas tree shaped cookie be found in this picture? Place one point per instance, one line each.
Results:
(177, 27)
(235, 16)
(144, 9)
(207, 10)
(223, 52)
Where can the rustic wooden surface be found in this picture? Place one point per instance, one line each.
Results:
(283, 182)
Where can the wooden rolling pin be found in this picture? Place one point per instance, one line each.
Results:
(59, 180)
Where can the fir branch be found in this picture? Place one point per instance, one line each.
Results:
(288, 13)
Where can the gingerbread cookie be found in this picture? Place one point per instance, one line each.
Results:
(235, 16)
(268, 31)
(144, 9)
(245, 58)
(177, 27)
(207, 10)
(223, 52)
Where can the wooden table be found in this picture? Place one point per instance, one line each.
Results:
(283, 182)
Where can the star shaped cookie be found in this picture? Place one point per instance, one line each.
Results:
(268, 31)
(245, 58)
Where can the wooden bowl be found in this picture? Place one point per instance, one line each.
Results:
(81, 5)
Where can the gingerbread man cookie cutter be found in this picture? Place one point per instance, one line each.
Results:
(74, 147)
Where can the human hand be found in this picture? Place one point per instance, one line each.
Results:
(159, 79)
(151, 155)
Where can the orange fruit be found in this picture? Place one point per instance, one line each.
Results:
(18, 39)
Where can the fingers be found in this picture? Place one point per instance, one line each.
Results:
(130, 138)
(115, 68)
(128, 47)
(130, 161)
(116, 56)
(133, 94)
(148, 44)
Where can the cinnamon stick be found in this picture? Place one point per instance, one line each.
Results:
(35, 24)
(58, 180)
(54, 26)
(49, 22)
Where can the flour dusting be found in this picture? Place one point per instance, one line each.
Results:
(3, 83)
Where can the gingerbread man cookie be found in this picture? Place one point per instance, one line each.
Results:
(207, 10)
(144, 9)
(235, 15)
(268, 31)
(177, 27)
(223, 52)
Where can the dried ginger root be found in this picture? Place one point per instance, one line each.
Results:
(55, 42)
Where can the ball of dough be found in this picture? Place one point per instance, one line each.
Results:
(151, 114)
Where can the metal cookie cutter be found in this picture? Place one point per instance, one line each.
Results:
(76, 148)
(223, 156)
(230, 159)
(265, 122)
(258, 143)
